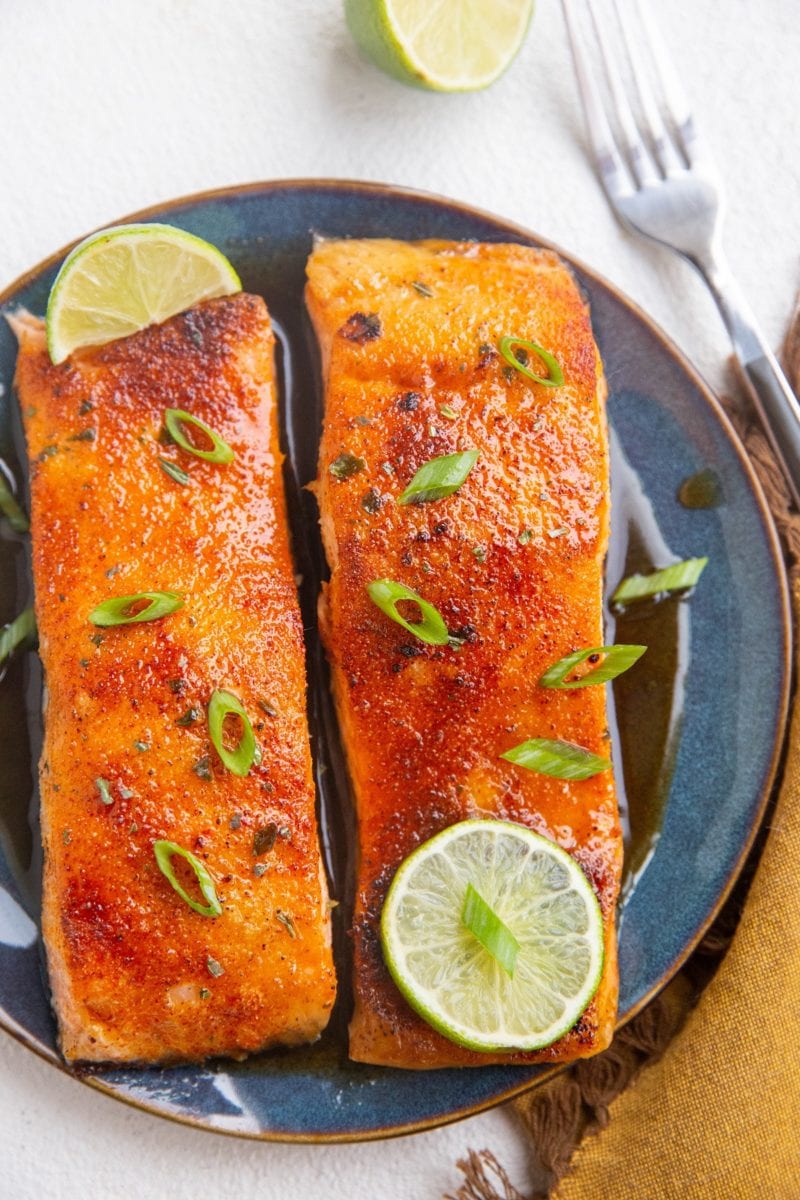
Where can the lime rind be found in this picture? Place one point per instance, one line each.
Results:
(446, 975)
(124, 278)
(440, 45)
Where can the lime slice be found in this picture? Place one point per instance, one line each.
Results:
(123, 279)
(443, 45)
(545, 901)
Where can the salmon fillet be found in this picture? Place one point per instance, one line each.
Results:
(513, 561)
(136, 974)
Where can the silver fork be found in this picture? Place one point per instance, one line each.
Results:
(661, 183)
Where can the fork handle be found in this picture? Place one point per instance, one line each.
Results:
(774, 400)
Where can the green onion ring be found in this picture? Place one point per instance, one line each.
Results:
(676, 578)
(561, 760)
(9, 506)
(247, 752)
(618, 659)
(19, 632)
(439, 477)
(386, 594)
(174, 418)
(492, 933)
(164, 851)
(554, 377)
(117, 610)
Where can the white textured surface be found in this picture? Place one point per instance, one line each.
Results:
(108, 107)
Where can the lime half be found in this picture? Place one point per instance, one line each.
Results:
(443, 45)
(123, 279)
(545, 901)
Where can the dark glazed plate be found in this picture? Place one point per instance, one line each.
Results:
(698, 728)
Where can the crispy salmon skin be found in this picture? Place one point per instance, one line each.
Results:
(137, 975)
(513, 561)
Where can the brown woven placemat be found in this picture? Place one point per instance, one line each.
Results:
(556, 1116)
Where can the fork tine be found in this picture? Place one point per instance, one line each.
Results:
(614, 172)
(665, 152)
(675, 100)
(639, 157)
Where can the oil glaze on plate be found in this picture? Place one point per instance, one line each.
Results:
(698, 725)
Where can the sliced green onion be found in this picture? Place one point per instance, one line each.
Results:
(439, 477)
(19, 632)
(387, 594)
(492, 933)
(174, 418)
(164, 851)
(554, 377)
(173, 470)
(240, 760)
(119, 610)
(11, 509)
(617, 660)
(562, 760)
(676, 578)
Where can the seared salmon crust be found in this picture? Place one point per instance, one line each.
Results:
(137, 975)
(513, 561)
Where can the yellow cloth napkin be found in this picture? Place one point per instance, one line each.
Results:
(718, 1117)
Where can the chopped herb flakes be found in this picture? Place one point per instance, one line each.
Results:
(409, 401)
(189, 717)
(126, 792)
(286, 921)
(141, 746)
(176, 685)
(557, 533)
(264, 838)
(204, 993)
(479, 553)
(202, 768)
(448, 411)
(422, 288)
(525, 536)
(361, 328)
(66, 836)
(346, 465)
(173, 470)
(267, 708)
(104, 788)
(85, 435)
(260, 869)
(372, 501)
(86, 407)
(236, 821)
(214, 968)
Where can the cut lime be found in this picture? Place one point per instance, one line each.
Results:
(543, 898)
(443, 45)
(123, 279)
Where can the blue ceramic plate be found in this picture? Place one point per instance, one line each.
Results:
(698, 725)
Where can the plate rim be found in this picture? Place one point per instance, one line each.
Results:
(380, 189)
